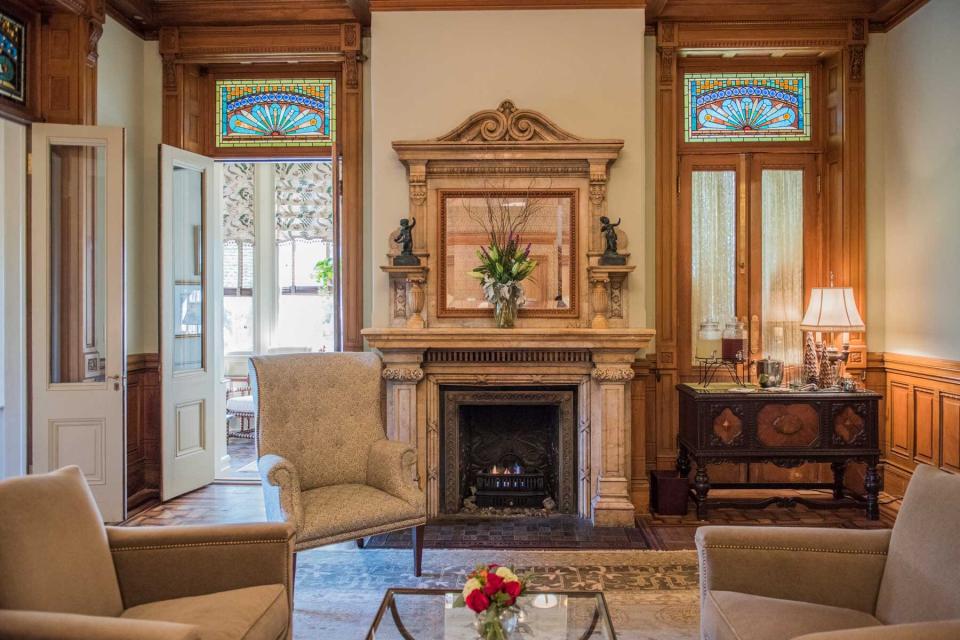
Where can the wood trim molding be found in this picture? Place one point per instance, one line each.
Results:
(479, 5)
(890, 13)
(143, 428)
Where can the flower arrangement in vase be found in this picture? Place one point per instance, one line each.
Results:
(504, 263)
(491, 591)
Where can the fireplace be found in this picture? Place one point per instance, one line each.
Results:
(511, 447)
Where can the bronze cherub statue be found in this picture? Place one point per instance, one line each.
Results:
(609, 231)
(405, 240)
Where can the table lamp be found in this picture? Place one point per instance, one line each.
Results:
(831, 309)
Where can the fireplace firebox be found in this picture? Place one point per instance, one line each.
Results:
(509, 447)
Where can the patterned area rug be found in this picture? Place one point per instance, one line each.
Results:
(651, 595)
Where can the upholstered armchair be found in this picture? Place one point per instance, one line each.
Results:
(65, 576)
(326, 465)
(767, 583)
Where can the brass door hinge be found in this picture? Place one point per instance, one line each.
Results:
(30, 164)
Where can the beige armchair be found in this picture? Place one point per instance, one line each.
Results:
(326, 465)
(64, 575)
(767, 583)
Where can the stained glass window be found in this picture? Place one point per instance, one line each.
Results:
(746, 107)
(11, 58)
(276, 113)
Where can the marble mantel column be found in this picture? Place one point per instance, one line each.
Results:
(610, 412)
(419, 362)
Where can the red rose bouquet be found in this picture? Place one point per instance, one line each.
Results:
(491, 592)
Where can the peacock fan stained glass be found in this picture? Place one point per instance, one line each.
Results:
(746, 107)
(276, 113)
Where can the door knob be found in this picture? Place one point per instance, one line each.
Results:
(117, 381)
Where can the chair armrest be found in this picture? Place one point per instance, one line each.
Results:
(836, 567)
(392, 468)
(942, 630)
(160, 563)
(45, 625)
(281, 490)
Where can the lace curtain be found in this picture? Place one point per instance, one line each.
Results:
(782, 224)
(713, 247)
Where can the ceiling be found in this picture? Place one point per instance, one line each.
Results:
(146, 16)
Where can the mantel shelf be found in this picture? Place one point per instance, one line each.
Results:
(393, 339)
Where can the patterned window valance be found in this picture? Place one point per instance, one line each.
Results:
(238, 202)
(304, 201)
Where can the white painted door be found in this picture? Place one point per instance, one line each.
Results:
(189, 332)
(78, 359)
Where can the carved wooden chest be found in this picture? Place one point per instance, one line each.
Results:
(786, 428)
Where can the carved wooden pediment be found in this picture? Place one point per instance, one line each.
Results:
(507, 123)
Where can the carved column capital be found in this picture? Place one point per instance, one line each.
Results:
(856, 54)
(613, 374)
(402, 374)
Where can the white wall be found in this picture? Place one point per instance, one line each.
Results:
(129, 95)
(431, 70)
(13, 183)
(920, 183)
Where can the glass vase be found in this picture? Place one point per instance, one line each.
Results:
(505, 312)
(497, 624)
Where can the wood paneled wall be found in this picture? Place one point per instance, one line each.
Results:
(143, 429)
(922, 423)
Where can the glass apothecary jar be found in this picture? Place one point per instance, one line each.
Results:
(734, 341)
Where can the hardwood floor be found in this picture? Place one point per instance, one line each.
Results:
(226, 503)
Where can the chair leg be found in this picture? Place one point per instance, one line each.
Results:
(417, 549)
(293, 576)
(360, 542)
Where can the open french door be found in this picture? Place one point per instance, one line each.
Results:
(78, 361)
(190, 331)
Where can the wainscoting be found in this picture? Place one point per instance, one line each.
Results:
(143, 429)
(923, 417)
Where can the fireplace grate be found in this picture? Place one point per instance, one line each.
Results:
(511, 490)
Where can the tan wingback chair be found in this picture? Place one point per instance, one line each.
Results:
(64, 575)
(326, 465)
(768, 583)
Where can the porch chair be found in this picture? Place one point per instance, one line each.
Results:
(326, 465)
(770, 583)
(65, 576)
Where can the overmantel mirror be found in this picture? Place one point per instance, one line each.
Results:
(542, 221)
(506, 171)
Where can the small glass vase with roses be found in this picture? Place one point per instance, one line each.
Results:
(491, 591)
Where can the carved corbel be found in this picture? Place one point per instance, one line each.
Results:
(598, 184)
(351, 70)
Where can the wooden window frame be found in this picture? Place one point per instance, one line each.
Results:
(194, 57)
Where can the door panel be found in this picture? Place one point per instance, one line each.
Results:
(77, 360)
(189, 231)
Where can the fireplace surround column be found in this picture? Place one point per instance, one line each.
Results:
(610, 415)
(402, 372)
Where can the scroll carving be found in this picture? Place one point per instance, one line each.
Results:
(613, 374)
(508, 124)
(351, 70)
(403, 374)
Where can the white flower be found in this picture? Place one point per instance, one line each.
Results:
(507, 574)
(472, 585)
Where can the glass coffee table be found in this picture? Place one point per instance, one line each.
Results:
(429, 614)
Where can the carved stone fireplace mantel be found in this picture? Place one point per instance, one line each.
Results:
(419, 363)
